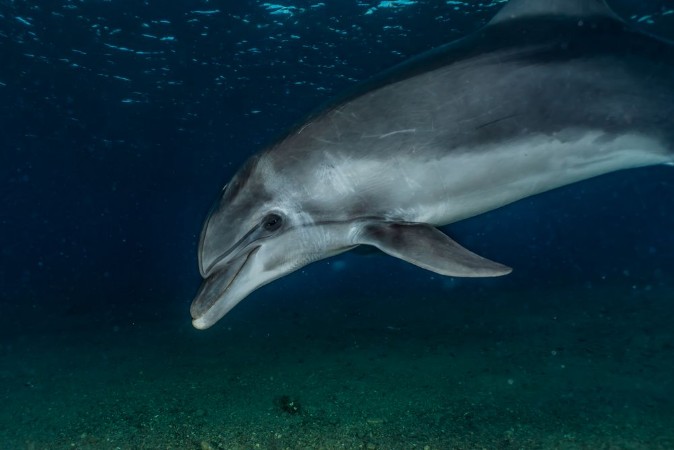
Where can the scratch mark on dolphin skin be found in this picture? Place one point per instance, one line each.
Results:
(492, 122)
(409, 130)
(392, 133)
(303, 127)
(325, 141)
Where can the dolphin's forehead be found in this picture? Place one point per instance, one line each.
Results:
(233, 215)
(243, 177)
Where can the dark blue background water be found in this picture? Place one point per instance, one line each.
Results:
(121, 120)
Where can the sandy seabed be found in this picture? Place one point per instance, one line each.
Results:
(551, 369)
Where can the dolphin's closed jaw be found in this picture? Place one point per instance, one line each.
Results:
(215, 298)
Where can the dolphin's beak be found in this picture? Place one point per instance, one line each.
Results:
(217, 294)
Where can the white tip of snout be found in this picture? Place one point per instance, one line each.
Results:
(201, 324)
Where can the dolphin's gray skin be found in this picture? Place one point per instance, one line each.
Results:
(550, 92)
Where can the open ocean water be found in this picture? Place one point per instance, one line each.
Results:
(119, 123)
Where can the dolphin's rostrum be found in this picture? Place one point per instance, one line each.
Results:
(550, 92)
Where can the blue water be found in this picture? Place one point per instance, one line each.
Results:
(122, 120)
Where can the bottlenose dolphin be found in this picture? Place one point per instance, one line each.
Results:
(548, 93)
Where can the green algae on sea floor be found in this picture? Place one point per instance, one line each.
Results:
(536, 369)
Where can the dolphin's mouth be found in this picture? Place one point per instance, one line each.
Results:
(212, 301)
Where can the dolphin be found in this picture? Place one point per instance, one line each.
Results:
(548, 93)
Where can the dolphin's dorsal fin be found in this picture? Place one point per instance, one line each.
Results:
(519, 9)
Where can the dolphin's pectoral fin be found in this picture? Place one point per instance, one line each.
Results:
(429, 248)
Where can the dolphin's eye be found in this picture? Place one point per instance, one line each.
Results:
(272, 222)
